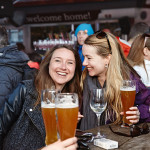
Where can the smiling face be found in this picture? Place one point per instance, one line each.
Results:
(81, 36)
(95, 63)
(62, 67)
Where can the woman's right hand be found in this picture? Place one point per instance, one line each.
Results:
(79, 116)
(69, 144)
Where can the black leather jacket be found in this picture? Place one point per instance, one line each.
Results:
(21, 126)
(11, 110)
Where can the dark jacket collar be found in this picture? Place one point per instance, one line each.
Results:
(93, 82)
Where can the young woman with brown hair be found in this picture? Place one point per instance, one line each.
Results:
(21, 114)
(139, 57)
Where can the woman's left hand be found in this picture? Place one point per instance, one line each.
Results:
(134, 115)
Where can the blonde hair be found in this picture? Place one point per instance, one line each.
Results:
(118, 69)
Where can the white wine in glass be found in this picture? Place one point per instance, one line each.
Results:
(98, 104)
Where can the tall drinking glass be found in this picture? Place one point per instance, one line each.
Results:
(48, 113)
(98, 104)
(128, 91)
(67, 114)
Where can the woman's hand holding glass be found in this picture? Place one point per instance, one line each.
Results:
(69, 144)
(133, 115)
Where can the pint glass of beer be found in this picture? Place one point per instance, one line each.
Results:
(128, 91)
(48, 113)
(67, 114)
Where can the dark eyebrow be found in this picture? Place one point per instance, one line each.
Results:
(61, 58)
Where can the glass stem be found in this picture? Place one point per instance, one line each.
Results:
(98, 123)
(98, 119)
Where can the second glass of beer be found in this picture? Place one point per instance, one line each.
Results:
(67, 114)
(48, 113)
(128, 91)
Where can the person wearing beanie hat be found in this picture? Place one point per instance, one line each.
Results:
(82, 32)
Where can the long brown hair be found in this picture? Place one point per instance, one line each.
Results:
(44, 81)
(118, 69)
(136, 55)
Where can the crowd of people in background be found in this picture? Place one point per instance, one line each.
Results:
(98, 60)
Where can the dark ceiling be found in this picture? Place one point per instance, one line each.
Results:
(23, 3)
(43, 6)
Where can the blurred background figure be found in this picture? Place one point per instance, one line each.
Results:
(137, 29)
(35, 60)
(106, 30)
(33, 66)
(139, 56)
(12, 63)
(82, 32)
(21, 47)
(124, 44)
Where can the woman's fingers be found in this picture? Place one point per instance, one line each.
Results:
(122, 113)
(133, 115)
(72, 147)
(134, 121)
(133, 108)
(69, 142)
(80, 116)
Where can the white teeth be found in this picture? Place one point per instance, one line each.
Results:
(89, 68)
(62, 73)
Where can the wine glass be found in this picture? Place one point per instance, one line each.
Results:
(98, 105)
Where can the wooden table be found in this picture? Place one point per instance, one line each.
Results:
(141, 142)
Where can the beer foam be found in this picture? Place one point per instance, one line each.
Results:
(66, 105)
(45, 105)
(66, 99)
(128, 88)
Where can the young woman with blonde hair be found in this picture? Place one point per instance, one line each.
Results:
(106, 66)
